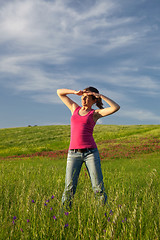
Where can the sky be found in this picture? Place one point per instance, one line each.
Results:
(113, 45)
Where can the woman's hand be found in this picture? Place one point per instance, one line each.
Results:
(79, 93)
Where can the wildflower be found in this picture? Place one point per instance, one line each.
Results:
(108, 219)
(47, 201)
(111, 212)
(27, 220)
(45, 204)
(52, 197)
(124, 219)
(13, 222)
(66, 225)
(66, 213)
(54, 217)
(21, 230)
(14, 218)
(33, 201)
(51, 208)
(105, 214)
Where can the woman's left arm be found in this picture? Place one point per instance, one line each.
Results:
(106, 111)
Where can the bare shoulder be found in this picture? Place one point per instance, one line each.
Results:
(96, 115)
(74, 106)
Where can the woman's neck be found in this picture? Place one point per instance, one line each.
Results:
(86, 108)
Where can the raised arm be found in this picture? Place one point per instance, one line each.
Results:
(62, 93)
(105, 111)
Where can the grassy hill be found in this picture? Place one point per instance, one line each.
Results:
(28, 140)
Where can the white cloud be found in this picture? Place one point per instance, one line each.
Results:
(41, 40)
(140, 115)
(47, 98)
(16, 21)
(144, 82)
(39, 81)
(57, 29)
(123, 79)
(153, 67)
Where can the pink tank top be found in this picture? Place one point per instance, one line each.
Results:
(82, 130)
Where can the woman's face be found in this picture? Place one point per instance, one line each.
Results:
(87, 100)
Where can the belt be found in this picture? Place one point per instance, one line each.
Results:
(83, 150)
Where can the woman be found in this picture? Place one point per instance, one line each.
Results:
(82, 145)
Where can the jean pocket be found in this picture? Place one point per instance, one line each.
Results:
(93, 150)
(70, 152)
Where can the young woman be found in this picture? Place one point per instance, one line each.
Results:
(82, 145)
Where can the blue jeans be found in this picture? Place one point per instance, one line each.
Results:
(74, 163)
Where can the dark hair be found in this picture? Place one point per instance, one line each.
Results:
(99, 103)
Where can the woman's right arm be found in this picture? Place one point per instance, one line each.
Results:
(62, 93)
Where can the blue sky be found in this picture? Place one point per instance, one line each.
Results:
(113, 45)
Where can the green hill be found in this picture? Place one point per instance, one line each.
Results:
(28, 140)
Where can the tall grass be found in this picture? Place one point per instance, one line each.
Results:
(32, 188)
(31, 199)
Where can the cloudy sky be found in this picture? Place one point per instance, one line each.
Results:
(113, 45)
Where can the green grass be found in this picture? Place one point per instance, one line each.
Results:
(132, 184)
(17, 141)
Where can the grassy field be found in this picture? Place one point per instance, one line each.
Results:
(33, 161)
(27, 140)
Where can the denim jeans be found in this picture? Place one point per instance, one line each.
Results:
(74, 163)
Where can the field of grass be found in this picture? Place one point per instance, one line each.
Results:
(32, 165)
